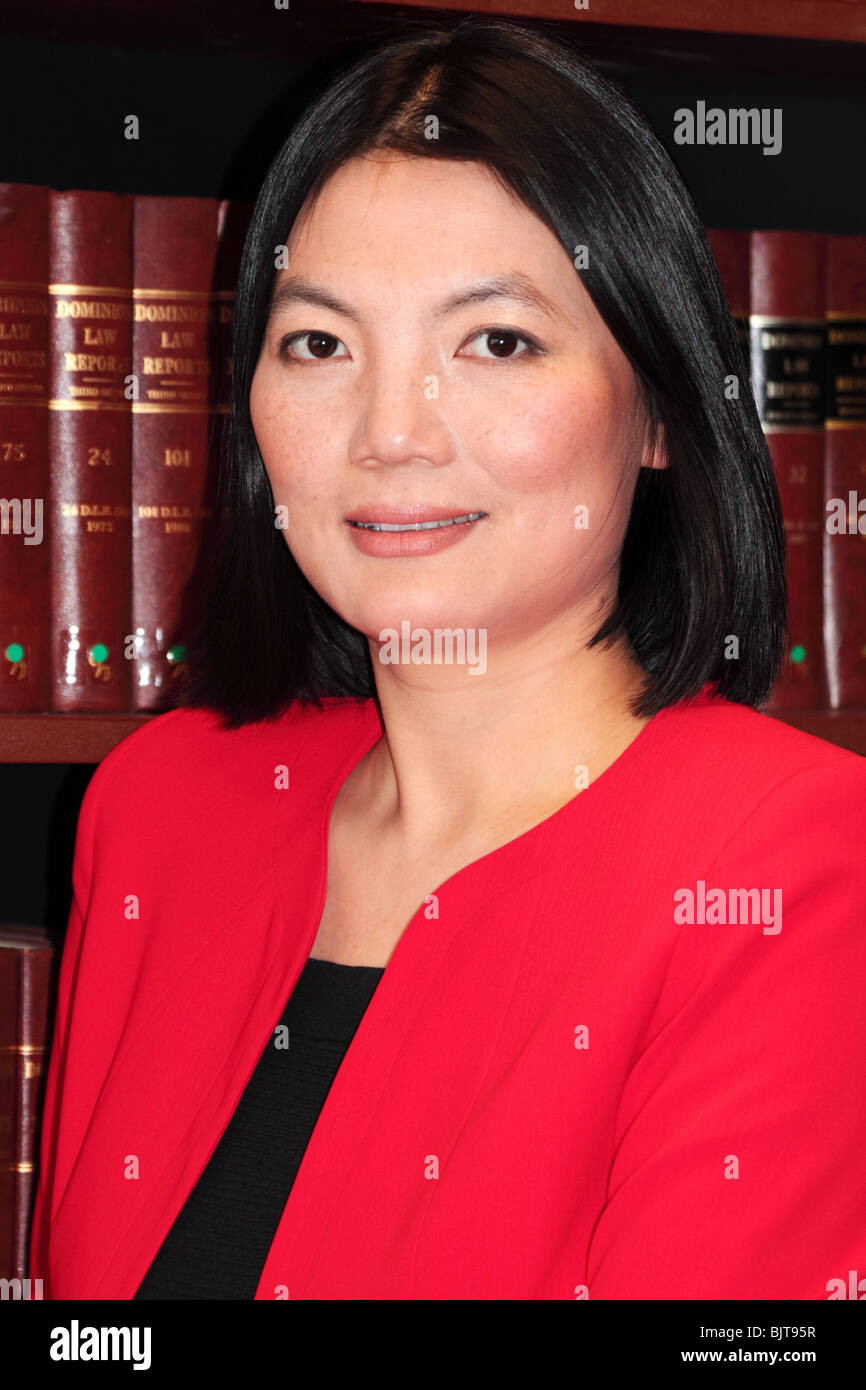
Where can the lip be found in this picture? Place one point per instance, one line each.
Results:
(419, 512)
(396, 544)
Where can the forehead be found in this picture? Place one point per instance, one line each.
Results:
(388, 223)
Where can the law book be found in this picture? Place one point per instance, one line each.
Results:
(24, 456)
(174, 333)
(29, 959)
(845, 474)
(232, 223)
(194, 245)
(788, 359)
(90, 263)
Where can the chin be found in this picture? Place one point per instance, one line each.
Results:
(426, 641)
(422, 611)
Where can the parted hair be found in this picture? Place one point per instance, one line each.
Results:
(703, 556)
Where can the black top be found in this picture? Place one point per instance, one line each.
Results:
(218, 1244)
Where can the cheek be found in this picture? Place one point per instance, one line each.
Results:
(291, 451)
(556, 442)
(267, 428)
(262, 405)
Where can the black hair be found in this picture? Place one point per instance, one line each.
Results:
(703, 554)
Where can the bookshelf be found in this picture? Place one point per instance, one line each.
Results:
(87, 738)
(64, 738)
(216, 81)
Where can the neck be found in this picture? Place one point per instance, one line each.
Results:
(468, 757)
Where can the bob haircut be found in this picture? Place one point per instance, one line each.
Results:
(703, 556)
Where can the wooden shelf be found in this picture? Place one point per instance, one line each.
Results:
(86, 738)
(846, 728)
(822, 41)
(63, 738)
(803, 19)
(312, 27)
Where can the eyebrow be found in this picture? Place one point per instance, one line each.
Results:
(299, 290)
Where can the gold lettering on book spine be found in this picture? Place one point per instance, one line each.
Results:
(24, 310)
(846, 344)
(91, 327)
(174, 345)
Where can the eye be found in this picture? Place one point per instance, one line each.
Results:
(501, 342)
(320, 346)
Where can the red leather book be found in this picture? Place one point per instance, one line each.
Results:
(174, 314)
(234, 220)
(24, 458)
(788, 350)
(28, 960)
(232, 223)
(845, 474)
(90, 438)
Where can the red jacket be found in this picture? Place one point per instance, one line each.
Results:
(561, 1087)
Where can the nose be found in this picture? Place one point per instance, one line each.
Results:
(400, 418)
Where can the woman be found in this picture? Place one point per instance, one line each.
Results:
(531, 973)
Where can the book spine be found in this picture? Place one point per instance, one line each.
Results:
(232, 222)
(788, 359)
(8, 1107)
(90, 262)
(24, 456)
(36, 968)
(173, 413)
(845, 474)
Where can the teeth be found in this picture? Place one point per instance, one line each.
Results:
(417, 525)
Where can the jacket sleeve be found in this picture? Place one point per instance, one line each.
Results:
(50, 1180)
(739, 1169)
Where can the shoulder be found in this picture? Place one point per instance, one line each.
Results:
(752, 738)
(749, 768)
(185, 743)
(767, 852)
(760, 902)
(186, 767)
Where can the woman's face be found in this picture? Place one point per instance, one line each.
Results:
(412, 381)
